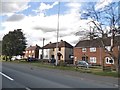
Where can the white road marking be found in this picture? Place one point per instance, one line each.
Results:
(6, 76)
(116, 85)
(27, 88)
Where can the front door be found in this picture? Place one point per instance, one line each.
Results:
(85, 58)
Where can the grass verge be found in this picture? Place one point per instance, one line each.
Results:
(95, 71)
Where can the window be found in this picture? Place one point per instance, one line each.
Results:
(32, 51)
(109, 60)
(93, 49)
(84, 49)
(59, 49)
(26, 51)
(92, 59)
(108, 47)
(29, 51)
(46, 56)
(53, 49)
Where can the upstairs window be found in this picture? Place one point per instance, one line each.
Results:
(32, 51)
(93, 49)
(29, 51)
(84, 49)
(59, 49)
(108, 47)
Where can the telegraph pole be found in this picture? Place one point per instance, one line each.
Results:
(57, 34)
(43, 48)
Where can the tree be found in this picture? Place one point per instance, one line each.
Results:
(105, 21)
(13, 43)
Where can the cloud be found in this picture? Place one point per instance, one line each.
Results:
(9, 8)
(74, 8)
(40, 26)
(44, 29)
(102, 3)
(44, 6)
(16, 17)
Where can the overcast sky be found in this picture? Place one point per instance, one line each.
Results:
(39, 20)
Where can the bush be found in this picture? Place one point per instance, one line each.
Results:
(62, 63)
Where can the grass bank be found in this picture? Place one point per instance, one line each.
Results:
(95, 71)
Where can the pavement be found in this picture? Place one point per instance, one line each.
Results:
(17, 75)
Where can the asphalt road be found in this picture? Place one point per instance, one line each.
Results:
(26, 76)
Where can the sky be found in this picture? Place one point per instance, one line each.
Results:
(39, 19)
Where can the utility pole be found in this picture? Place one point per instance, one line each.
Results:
(43, 48)
(57, 34)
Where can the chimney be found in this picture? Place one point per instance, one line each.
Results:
(104, 35)
(61, 40)
(91, 38)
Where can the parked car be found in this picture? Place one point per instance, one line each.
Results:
(18, 57)
(29, 59)
(52, 60)
(13, 58)
(83, 64)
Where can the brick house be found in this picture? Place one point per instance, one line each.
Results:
(65, 50)
(93, 52)
(32, 51)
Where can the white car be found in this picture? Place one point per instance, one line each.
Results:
(82, 63)
(16, 57)
(13, 58)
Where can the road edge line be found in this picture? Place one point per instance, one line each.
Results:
(6, 76)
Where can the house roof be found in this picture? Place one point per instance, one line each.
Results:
(33, 47)
(60, 44)
(97, 42)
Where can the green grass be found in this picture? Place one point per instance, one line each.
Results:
(103, 73)
(95, 71)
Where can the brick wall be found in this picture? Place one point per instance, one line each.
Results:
(100, 54)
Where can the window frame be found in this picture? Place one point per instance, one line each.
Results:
(93, 49)
(108, 47)
(107, 61)
(84, 49)
(59, 49)
(33, 51)
(29, 51)
(93, 60)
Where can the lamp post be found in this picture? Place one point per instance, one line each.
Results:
(43, 48)
(57, 34)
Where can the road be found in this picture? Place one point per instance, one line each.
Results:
(16, 75)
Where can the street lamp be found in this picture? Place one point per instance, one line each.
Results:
(57, 34)
(43, 48)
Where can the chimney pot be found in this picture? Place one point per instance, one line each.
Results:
(61, 40)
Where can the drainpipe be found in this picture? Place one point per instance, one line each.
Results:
(100, 56)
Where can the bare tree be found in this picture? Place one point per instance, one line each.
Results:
(106, 22)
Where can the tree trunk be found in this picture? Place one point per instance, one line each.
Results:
(6, 58)
(10, 58)
(115, 66)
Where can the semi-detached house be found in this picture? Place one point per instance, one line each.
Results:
(32, 51)
(92, 51)
(65, 51)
